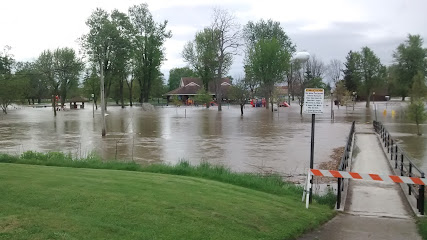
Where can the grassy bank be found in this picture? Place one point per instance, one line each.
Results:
(46, 202)
(269, 184)
(422, 225)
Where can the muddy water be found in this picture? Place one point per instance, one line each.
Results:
(404, 131)
(260, 141)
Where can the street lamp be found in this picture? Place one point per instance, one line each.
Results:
(332, 105)
(304, 57)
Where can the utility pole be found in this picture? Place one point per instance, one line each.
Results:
(101, 66)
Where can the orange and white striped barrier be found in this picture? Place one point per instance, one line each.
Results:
(364, 176)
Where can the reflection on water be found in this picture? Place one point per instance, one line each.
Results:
(259, 141)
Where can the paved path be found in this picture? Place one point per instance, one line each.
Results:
(374, 210)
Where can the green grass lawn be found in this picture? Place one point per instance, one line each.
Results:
(45, 202)
(422, 225)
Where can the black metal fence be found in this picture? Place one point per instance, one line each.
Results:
(344, 165)
(403, 163)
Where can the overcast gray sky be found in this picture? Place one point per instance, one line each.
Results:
(327, 28)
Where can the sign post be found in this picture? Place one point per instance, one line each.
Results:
(313, 104)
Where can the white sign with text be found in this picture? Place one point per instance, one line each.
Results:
(313, 100)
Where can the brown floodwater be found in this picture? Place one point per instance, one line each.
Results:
(260, 141)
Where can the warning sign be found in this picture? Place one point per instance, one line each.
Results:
(313, 100)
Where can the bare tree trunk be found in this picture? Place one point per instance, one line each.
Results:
(121, 94)
(368, 101)
(418, 129)
(130, 95)
(54, 105)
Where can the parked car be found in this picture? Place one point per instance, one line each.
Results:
(283, 104)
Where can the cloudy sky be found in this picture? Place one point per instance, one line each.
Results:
(327, 28)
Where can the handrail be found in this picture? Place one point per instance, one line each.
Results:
(344, 163)
(406, 168)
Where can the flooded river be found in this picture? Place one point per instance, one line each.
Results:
(260, 141)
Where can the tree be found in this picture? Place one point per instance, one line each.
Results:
(334, 71)
(341, 92)
(60, 70)
(419, 89)
(201, 55)
(148, 46)
(267, 54)
(351, 71)
(268, 62)
(239, 92)
(410, 58)
(226, 39)
(203, 97)
(91, 84)
(46, 68)
(35, 87)
(417, 113)
(175, 75)
(122, 50)
(159, 87)
(8, 85)
(372, 72)
(67, 68)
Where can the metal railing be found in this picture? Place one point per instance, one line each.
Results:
(344, 165)
(403, 163)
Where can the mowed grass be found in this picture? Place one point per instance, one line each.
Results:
(45, 202)
(422, 225)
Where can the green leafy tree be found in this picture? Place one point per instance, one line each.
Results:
(122, 52)
(159, 87)
(98, 45)
(372, 72)
(240, 93)
(91, 85)
(46, 68)
(148, 47)
(267, 55)
(351, 72)
(175, 75)
(8, 85)
(203, 97)
(201, 55)
(419, 89)
(268, 62)
(67, 69)
(410, 58)
(417, 113)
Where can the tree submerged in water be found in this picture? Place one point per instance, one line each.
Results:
(416, 109)
(417, 113)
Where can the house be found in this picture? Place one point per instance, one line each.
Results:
(189, 87)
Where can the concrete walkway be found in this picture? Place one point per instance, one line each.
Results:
(374, 210)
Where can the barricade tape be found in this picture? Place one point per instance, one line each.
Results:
(364, 176)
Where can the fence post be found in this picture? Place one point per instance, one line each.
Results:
(339, 193)
(410, 175)
(391, 150)
(395, 161)
(385, 139)
(421, 197)
(388, 143)
(401, 165)
(396, 152)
